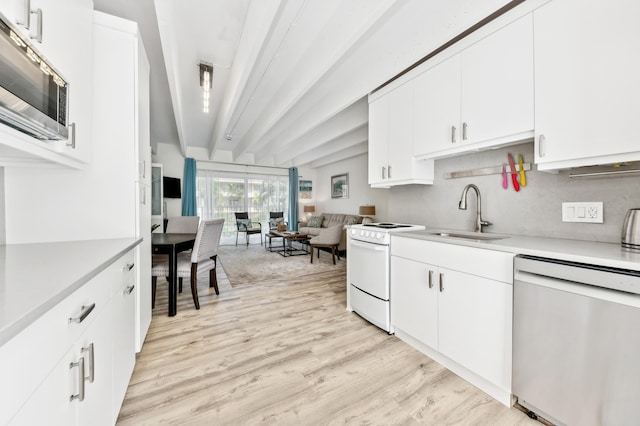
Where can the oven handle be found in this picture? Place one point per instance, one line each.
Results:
(368, 246)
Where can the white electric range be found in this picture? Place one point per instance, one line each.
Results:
(368, 270)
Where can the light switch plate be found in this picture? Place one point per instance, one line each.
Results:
(586, 212)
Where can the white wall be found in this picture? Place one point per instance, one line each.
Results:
(535, 210)
(360, 193)
(173, 166)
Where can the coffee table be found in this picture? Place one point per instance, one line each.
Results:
(288, 238)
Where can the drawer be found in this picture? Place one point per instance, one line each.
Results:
(28, 358)
(492, 264)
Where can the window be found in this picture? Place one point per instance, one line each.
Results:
(221, 194)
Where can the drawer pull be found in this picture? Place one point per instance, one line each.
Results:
(129, 289)
(80, 395)
(129, 267)
(86, 310)
(91, 375)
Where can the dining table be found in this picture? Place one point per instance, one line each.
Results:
(171, 245)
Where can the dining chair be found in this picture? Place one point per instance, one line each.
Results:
(328, 238)
(183, 224)
(246, 226)
(178, 225)
(203, 257)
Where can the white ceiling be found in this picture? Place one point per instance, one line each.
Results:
(290, 77)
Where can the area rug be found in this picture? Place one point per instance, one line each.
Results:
(250, 265)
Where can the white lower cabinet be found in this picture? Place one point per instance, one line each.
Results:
(455, 303)
(62, 372)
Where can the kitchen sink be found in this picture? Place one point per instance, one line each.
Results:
(469, 235)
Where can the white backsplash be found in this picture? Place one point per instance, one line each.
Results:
(535, 210)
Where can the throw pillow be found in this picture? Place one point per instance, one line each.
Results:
(244, 223)
(315, 221)
(275, 221)
(351, 221)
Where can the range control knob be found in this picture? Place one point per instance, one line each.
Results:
(379, 235)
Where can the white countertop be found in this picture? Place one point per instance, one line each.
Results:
(36, 277)
(603, 254)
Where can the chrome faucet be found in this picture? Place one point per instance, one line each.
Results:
(462, 205)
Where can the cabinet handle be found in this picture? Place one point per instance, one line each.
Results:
(72, 127)
(430, 279)
(143, 166)
(389, 172)
(38, 35)
(86, 310)
(129, 289)
(25, 19)
(143, 196)
(453, 134)
(89, 350)
(441, 282)
(128, 267)
(383, 174)
(541, 145)
(80, 377)
(464, 131)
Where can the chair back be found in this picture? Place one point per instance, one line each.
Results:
(183, 224)
(276, 215)
(242, 221)
(331, 235)
(207, 240)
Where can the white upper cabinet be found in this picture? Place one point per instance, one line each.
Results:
(437, 108)
(587, 69)
(479, 98)
(67, 42)
(391, 141)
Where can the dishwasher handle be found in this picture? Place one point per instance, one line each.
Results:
(614, 296)
(581, 273)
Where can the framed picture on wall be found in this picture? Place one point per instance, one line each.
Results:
(305, 189)
(340, 186)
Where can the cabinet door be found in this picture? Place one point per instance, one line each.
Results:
(414, 299)
(497, 84)
(400, 142)
(474, 326)
(587, 63)
(124, 307)
(96, 409)
(67, 31)
(378, 139)
(50, 404)
(437, 108)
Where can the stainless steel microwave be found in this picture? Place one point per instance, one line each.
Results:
(33, 95)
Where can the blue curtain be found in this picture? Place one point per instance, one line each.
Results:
(293, 198)
(189, 205)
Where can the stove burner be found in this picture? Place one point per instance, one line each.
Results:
(386, 225)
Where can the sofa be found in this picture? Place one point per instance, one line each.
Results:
(328, 220)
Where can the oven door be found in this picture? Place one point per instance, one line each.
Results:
(369, 268)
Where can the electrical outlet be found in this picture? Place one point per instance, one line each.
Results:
(586, 212)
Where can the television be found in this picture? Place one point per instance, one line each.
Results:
(171, 187)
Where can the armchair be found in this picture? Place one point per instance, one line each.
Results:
(275, 219)
(246, 226)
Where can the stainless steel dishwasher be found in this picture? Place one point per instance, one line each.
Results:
(576, 342)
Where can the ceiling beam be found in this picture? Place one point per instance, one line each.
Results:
(347, 140)
(258, 26)
(345, 154)
(283, 104)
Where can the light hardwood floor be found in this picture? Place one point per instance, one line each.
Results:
(287, 352)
